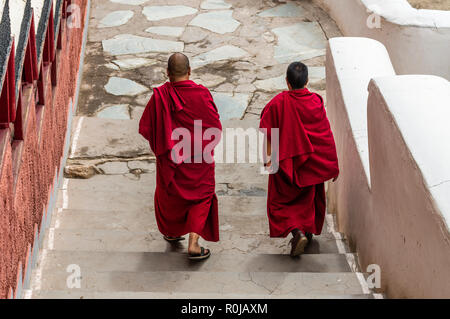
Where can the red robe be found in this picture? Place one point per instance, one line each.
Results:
(185, 199)
(306, 158)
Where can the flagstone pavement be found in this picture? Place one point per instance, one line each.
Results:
(103, 233)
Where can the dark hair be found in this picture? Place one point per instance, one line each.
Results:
(178, 64)
(297, 75)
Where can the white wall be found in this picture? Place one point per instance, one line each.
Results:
(409, 161)
(351, 63)
(417, 40)
(394, 203)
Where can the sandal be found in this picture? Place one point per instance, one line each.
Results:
(299, 243)
(173, 239)
(201, 256)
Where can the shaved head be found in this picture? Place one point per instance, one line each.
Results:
(178, 65)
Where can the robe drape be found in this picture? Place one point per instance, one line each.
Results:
(306, 158)
(185, 199)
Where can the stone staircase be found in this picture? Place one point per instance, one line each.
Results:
(106, 226)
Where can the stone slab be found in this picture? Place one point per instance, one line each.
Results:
(121, 86)
(116, 18)
(130, 2)
(86, 294)
(102, 138)
(279, 83)
(215, 4)
(57, 261)
(216, 21)
(275, 283)
(133, 44)
(157, 13)
(168, 31)
(300, 41)
(117, 112)
(130, 240)
(133, 63)
(230, 105)
(226, 52)
(286, 10)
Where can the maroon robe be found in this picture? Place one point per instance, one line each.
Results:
(185, 199)
(306, 158)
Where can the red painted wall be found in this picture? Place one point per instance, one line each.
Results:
(35, 161)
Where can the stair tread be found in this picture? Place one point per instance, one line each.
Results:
(278, 283)
(126, 240)
(85, 294)
(145, 221)
(162, 261)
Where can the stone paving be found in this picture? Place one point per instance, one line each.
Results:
(104, 221)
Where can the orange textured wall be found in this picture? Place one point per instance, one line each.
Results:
(35, 161)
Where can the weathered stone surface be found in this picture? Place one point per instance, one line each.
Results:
(112, 66)
(121, 86)
(156, 13)
(130, 2)
(209, 80)
(194, 34)
(113, 138)
(116, 18)
(226, 52)
(286, 10)
(216, 21)
(245, 88)
(215, 4)
(80, 171)
(279, 83)
(143, 99)
(132, 44)
(225, 87)
(230, 105)
(136, 112)
(118, 112)
(133, 63)
(169, 31)
(145, 166)
(113, 168)
(300, 41)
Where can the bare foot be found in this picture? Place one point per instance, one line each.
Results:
(194, 248)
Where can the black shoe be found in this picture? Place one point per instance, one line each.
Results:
(309, 236)
(299, 243)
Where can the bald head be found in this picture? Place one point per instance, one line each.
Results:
(178, 66)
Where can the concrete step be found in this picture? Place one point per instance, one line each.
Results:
(238, 176)
(145, 221)
(129, 241)
(240, 173)
(123, 184)
(57, 262)
(205, 282)
(82, 199)
(85, 294)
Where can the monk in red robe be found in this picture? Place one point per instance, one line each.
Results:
(185, 199)
(302, 159)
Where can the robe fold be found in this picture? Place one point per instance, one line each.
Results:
(185, 199)
(306, 158)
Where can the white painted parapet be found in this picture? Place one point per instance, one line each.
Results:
(410, 167)
(417, 40)
(351, 64)
(392, 199)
